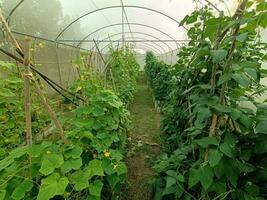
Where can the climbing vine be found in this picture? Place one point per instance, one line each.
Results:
(90, 163)
(214, 125)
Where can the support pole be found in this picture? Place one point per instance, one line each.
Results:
(49, 110)
(27, 95)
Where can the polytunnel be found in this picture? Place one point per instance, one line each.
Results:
(134, 100)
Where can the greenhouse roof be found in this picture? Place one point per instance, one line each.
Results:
(149, 24)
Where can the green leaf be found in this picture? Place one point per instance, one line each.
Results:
(242, 37)
(19, 151)
(252, 72)
(2, 194)
(6, 162)
(98, 111)
(21, 189)
(120, 168)
(193, 178)
(261, 127)
(206, 141)
(50, 163)
(224, 78)
(227, 150)
(203, 113)
(51, 186)
(245, 167)
(205, 176)
(96, 188)
(219, 187)
(170, 181)
(74, 152)
(218, 55)
(94, 169)
(80, 179)
(242, 79)
(214, 157)
(68, 165)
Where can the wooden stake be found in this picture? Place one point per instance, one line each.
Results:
(49, 110)
(27, 95)
(14, 41)
(38, 90)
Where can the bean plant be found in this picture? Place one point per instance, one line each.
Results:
(214, 124)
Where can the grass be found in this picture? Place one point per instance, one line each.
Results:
(143, 143)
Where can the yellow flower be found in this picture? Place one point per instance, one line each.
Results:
(41, 45)
(106, 153)
(48, 152)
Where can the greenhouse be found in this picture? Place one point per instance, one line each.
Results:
(133, 100)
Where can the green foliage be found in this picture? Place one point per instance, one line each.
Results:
(11, 109)
(159, 78)
(217, 145)
(90, 165)
(122, 72)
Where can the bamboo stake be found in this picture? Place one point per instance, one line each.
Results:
(14, 41)
(27, 97)
(38, 89)
(50, 111)
(226, 68)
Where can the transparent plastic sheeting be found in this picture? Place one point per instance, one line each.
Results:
(156, 20)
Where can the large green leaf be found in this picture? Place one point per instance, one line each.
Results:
(218, 55)
(21, 189)
(214, 157)
(6, 162)
(96, 188)
(50, 163)
(205, 176)
(262, 127)
(70, 164)
(206, 141)
(170, 181)
(227, 149)
(74, 152)
(80, 180)
(51, 186)
(242, 79)
(193, 177)
(94, 169)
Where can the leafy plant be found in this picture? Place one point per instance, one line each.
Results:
(11, 109)
(214, 146)
(122, 72)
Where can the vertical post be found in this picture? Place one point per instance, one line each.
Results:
(27, 95)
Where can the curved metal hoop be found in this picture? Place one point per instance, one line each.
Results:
(135, 24)
(141, 33)
(154, 44)
(120, 6)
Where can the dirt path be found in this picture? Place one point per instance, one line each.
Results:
(143, 144)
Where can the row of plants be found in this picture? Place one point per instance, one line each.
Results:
(158, 75)
(214, 126)
(89, 164)
(122, 72)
